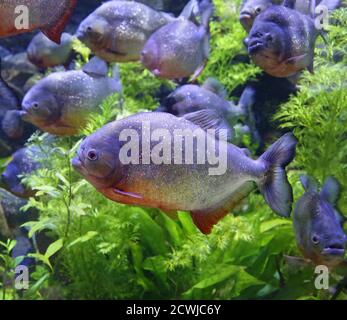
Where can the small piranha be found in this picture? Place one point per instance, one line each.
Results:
(206, 99)
(21, 16)
(171, 184)
(10, 120)
(62, 103)
(282, 41)
(16, 70)
(318, 224)
(10, 207)
(181, 48)
(24, 161)
(118, 30)
(44, 53)
(8, 99)
(250, 9)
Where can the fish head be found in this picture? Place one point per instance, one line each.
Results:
(40, 106)
(150, 55)
(319, 231)
(266, 44)
(250, 10)
(97, 160)
(94, 31)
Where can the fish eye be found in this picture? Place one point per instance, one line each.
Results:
(92, 155)
(35, 105)
(315, 239)
(89, 29)
(258, 9)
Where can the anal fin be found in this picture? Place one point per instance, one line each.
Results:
(206, 219)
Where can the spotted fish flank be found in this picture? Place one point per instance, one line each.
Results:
(61, 103)
(187, 187)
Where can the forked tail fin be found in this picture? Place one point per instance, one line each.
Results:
(275, 186)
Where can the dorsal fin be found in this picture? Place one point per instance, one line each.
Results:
(289, 4)
(309, 183)
(213, 85)
(96, 67)
(331, 190)
(210, 119)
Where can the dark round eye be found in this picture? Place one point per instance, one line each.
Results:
(92, 155)
(315, 239)
(258, 9)
(89, 29)
(35, 105)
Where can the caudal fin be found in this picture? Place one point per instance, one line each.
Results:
(275, 186)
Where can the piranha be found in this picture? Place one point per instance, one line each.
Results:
(206, 99)
(21, 16)
(282, 41)
(252, 8)
(16, 70)
(318, 225)
(10, 120)
(24, 161)
(118, 30)
(159, 178)
(10, 207)
(181, 48)
(45, 53)
(62, 102)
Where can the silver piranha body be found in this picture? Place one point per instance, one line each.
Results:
(61, 103)
(45, 53)
(181, 48)
(208, 99)
(318, 224)
(118, 30)
(50, 16)
(165, 179)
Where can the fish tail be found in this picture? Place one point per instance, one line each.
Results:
(274, 185)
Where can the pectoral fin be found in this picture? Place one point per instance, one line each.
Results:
(55, 30)
(303, 61)
(127, 194)
(297, 262)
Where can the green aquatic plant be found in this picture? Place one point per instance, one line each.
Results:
(104, 250)
(228, 53)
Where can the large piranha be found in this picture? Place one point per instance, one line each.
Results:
(149, 171)
(50, 16)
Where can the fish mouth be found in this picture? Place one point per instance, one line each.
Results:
(80, 35)
(25, 115)
(77, 165)
(246, 15)
(255, 46)
(334, 250)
